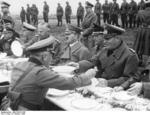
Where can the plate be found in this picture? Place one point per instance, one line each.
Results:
(123, 96)
(64, 69)
(84, 104)
(66, 75)
(57, 92)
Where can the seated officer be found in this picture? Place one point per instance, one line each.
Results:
(28, 34)
(6, 41)
(75, 51)
(116, 63)
(38, 78)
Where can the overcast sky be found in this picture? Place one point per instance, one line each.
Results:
(16, 4)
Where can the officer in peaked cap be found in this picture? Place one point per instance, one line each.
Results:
(88, 4)
(75, 50)
(5, 5)
(28, 34)
(39, 78)
(115, 54)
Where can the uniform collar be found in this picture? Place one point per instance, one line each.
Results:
(35, 60)
(119, 51)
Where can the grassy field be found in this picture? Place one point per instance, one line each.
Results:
(59, 32)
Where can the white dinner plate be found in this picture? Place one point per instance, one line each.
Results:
(84, 104)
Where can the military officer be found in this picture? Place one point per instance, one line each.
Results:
(60, 13)
(106, 9)
(5, 10)
(141, 43)
(80, 14)
(116, 62)
(87, 25)
(37, 78)
(28, 14)
(28, 34)
(124, 13)
(98, 11)
(23, 15)
(132, 13)
(68, 12)
(6, 41)
(141, 6)
(34, 14)
(76, 51)
(115, 12)
(45, 12)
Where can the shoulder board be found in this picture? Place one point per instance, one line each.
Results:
(132, 50)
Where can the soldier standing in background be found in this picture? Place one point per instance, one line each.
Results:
(141, 6)
(28, 14)
(60, 13)
(97, 10)
(124, 13)
(68, 12)
(87, 26)
(45, 12)
(132, 13)
(105, 8)
(5, 12)
(80, 14)
(110, 12)
(34, 14)
(23, 15)
(115, 12)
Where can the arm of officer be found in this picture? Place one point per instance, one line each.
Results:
(84, 65)
(84, 54)
(128, 77)
(50, 79)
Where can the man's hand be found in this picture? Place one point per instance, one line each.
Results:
(135, 89)
(73, 64)
(118, 88)
(102, 82)
(91, 73)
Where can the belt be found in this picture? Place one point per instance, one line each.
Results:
(29, 105)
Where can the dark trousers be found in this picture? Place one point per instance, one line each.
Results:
(59, 19)
(124, 20)
(132, 20)
(34, 19)
(22, 19)
(79, 19)
(28, 19)
(45, 17)
(106, 17)
(114, 19)
(68, 19)
(98, 19)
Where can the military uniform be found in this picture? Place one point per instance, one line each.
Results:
(60, 13)
(98, 10)
(23, 15)
(28, 15)
(132, 13)
(117, 66)
(106, 9)
(115, 12)
(80, 15)
(124, 14)
(40, 79)
(87, 26)
(68, 12)
(34, 15)
(45, 12)
(141, 43)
